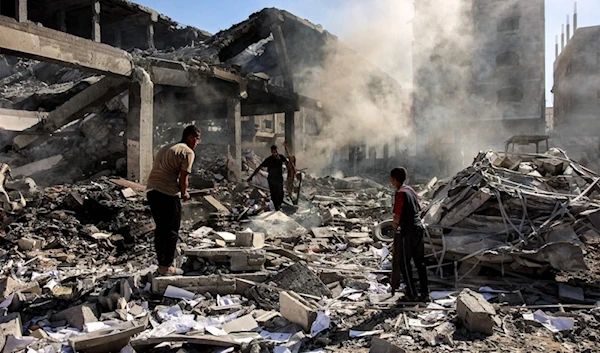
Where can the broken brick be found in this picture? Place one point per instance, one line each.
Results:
(475, 312)
(297, 310)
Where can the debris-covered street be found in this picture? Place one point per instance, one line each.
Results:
(166, 189)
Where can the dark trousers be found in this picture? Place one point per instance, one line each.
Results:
(276, 189)
(409, 245)
(166, 211)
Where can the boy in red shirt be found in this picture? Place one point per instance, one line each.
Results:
(408, 238)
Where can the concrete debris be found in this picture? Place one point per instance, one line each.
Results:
(512, 241)
(475, 312)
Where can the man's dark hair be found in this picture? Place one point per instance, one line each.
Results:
(273, 148)
(400, 174)
(190, 130)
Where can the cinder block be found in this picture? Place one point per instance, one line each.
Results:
(297, 310)
(77, 316)
(250, 239)
(7, 287)
(475, 312)
(28, 244)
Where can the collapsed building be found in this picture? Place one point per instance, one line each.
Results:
(577, 94)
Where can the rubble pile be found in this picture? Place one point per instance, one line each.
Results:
(519, 214)
(78, 270)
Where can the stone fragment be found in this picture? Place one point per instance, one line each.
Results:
(28, 244)
(7, 287)
(297, 310)
(77, 316)
(475, 312)
(379, 345)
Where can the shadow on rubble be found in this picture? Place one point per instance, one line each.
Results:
(370, 323)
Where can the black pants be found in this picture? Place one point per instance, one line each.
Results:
(166, 211)
(276, 189)
(409, 245)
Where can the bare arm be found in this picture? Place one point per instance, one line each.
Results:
(184, 182)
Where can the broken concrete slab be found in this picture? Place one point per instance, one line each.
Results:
(7, 286)
(28, 244)
(78, 316)
(379, 345)
(277, 225)
(243, 324)
(465, 208)
(213, 284)
(297, 310)
(570, 294)
(107, 340)
(238, 259)
(301, 279)
(475, 312)
(37, 166)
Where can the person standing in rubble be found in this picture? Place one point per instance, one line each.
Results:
(408, 238)
(274, 165)
(167, 186)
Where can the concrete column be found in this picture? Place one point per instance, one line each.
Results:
(150, 34)
(234, 132)
(21, 10)
(61, 21)
(290, 129)
(386, 152)
(140, 127)
(96, 32)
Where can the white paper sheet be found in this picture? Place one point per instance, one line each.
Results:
(17, 343)
(6, 303)
(321, 323)
(215, 331)
(440, 294)
(201, 232)
(277, 337)
(178, 293)
(552, 323)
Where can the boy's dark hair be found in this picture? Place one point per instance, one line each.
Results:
(400, 174)
(190, 130)
(273, 148)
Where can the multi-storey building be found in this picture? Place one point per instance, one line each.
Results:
(478, 75)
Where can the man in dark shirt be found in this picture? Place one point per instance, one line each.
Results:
(274, 165)
(408, 238)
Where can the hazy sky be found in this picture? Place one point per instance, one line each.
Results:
(336, 16)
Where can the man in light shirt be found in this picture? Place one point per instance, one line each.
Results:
(167, 185)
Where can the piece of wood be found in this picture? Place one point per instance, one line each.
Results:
(12, 119)
(128, 184)
(21, 10)
(217, 205)
(96, 32)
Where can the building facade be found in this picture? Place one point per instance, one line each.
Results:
(577, 95)
(478, 75)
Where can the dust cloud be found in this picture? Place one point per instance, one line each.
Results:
(368, 90)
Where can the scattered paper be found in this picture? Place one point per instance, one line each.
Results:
(341, 247)
(277, 337)
(94, 326)
(281, 349)
(17, 343)
(215, 331)
(552, 323)
(440, 294)
(446, 303)
(6, 303)
(227, 300)
(321, 323)
(351, 293)
(51, 284)
(127, 349)
(420, 323)
(178, 293)
(354, 333)
(381, 253)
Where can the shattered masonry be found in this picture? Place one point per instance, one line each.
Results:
(512, 239)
